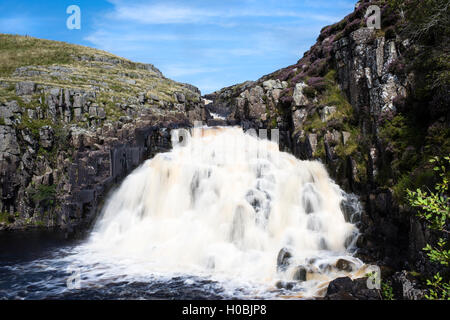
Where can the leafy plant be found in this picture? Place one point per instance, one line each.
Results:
(386, 291)
(434, 208)
(440, 290)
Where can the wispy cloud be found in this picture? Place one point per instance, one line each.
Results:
(163, 13)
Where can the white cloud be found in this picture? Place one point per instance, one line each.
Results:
(177, 14)
(160, 14)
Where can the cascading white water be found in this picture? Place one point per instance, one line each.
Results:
(230, 206)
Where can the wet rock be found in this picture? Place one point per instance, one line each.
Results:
(285, 285)
(343, 284)
(323, 245)
(345, 265)
(345, 288)
(283, 259)
(340, 296)
(325, 267)
(311, 140)
(300, 273)
(216, 122)
(351, 208)
(361, 291)
(351, 240)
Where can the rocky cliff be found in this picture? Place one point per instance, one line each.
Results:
(358, 102)
(73, 122)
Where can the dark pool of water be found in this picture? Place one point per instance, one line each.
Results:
(33, 265)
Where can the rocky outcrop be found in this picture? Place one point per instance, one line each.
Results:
(65, 145)
(406, 286)
(59, 177)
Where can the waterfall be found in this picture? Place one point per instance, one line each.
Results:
(228, 205)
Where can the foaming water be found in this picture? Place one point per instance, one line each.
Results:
(232, 207)
(223, 215)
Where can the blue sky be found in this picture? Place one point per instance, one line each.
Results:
(208, 43)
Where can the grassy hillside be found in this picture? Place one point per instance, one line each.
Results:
(59, 64)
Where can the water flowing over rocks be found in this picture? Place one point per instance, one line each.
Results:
(234, 207)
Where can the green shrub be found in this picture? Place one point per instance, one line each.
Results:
(434, 208)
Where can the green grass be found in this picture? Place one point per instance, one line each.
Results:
(348, 149)
(20, 51)
(17, 51)
(333, 96)
(314, 122)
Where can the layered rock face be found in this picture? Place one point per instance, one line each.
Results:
(69, 133)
